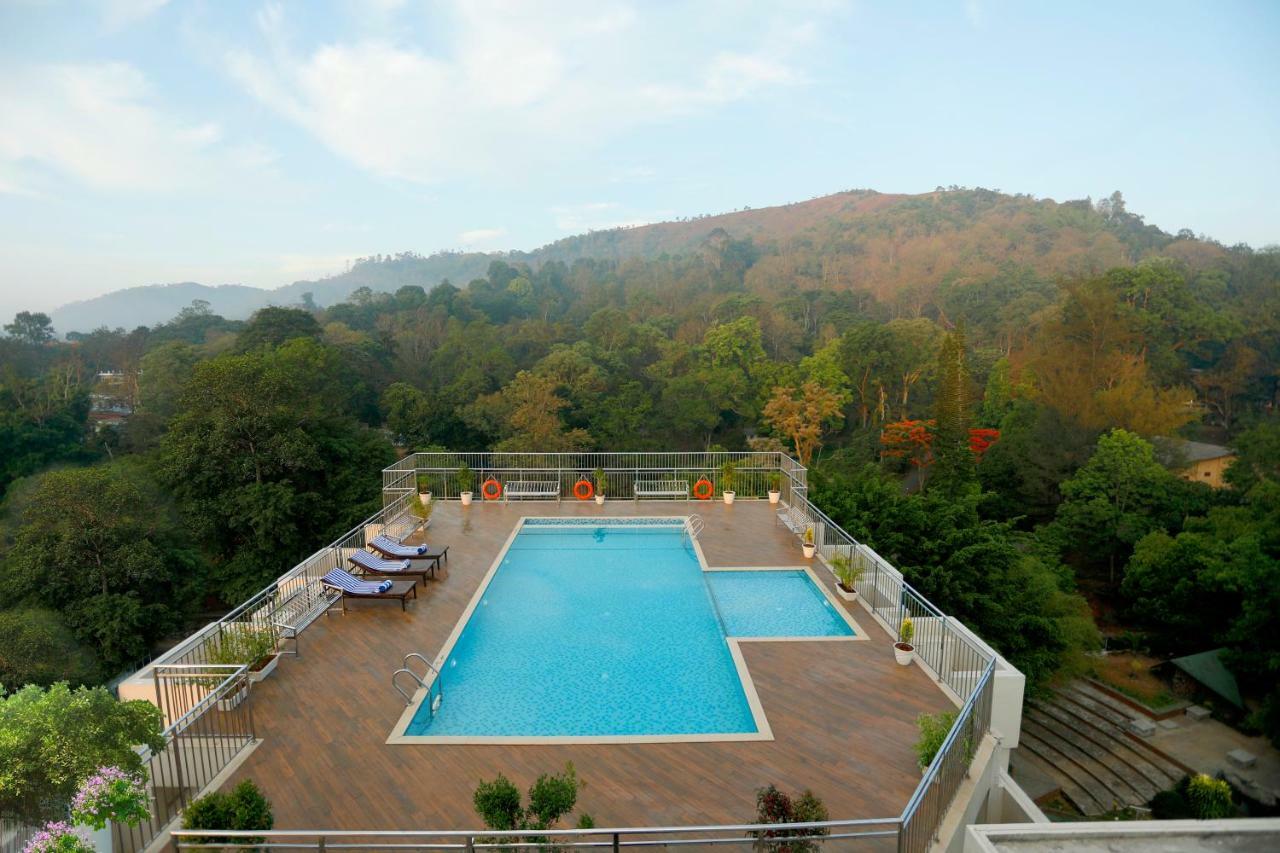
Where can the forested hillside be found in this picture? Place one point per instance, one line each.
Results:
(983, 386)
(900, 248)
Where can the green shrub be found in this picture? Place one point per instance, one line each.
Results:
(1209, 798)
(551, 797)
(243, 807)
(933, 732)
(1170, 805)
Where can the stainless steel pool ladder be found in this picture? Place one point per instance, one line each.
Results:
(437, 682)
(694, 525)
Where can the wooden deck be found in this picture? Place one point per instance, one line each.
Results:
(843, 714)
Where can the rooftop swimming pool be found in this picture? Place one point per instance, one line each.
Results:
(613, 631)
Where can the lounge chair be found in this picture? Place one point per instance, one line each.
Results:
(393, 550)
(352, 587)
(372, 564)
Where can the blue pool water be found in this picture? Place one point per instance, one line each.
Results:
(774, 604)
(590, 630)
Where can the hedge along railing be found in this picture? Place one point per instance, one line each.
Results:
(438, 472)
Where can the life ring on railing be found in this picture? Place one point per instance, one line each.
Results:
(492, 489)
(583, 490)
(702, 490)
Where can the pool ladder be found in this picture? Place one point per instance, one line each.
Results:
(421, 681)
(694, 525)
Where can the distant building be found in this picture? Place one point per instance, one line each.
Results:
(1204, 463)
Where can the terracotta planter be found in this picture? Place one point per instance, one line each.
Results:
(904, 653)
(846, 594)
(774, 496)
(728, 497)
(466, 498)
(809, 551)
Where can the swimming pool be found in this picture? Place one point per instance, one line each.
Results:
(604, 632)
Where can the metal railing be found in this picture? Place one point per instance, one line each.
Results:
(15, 833)
(199, 745)
(754, 472)
(961, 662)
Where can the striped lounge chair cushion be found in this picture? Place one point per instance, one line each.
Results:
(391, 546)
(374, 563)
(347, 582)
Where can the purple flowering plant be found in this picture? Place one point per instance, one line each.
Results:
(58, 837)
(110, 794)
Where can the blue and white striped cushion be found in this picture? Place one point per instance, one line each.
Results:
(391, 546)
(365, 560)
(347, 582)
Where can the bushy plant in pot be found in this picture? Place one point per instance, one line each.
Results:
(933, 733)
(466, 480)
(808, 543)
(775, 486)
(728, 474)
(602, 483)
(242, 643)
(903, 651)
(847, 573)
(421, 511)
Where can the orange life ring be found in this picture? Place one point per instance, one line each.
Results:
(583, 490)
(491, 494)
(702, 490)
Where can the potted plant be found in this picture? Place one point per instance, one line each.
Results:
(466, 482)
(903, 651)
(933, 733)
(602, 483)
(728, 473)
(421, 511)
(424, 488)
(847, 576)
(775, 486)
(246, 644)
(807, 543)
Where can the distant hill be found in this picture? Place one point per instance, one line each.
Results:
(881, 243)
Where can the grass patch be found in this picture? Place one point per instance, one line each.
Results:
(1130, 673)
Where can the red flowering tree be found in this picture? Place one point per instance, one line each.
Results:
(980, 440)
(910, 440)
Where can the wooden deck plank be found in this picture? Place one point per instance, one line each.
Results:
(843, 714)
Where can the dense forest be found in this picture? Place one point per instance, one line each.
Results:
(988, 390)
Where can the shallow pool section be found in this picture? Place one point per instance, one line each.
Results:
(591, 631)
(775, 604)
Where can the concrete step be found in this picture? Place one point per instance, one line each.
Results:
(1138, 756)
(1108, 788)
(1076, 783)
(1084, 707)
(1104, 750)
(1111, 702)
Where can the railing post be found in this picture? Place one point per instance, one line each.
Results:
(471, 844)
(615, 843)
(320, 844)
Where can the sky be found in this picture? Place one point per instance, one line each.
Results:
(145, 141)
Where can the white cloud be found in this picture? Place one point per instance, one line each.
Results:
(97, 123)
(117, 14)
(513, 87)
(480, 235)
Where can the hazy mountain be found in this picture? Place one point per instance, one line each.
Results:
(882, 243)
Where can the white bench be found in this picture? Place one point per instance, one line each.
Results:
(661, 489)
(793, 520)
(299, 608)
(532, 489)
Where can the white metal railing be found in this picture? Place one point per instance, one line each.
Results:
(961, 662)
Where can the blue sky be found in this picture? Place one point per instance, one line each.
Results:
(146, 141)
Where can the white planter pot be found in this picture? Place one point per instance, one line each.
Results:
(809, 551)
(903, 653)
(261, 674)
(99, 839)
(425, 497)
(234, 699)
(729, 496)
(599, 500)
(845, 594)
(774, 497)
(466, 498)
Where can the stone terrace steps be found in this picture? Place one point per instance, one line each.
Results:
(1075, 782)
(1080, 739)
(1083, 800)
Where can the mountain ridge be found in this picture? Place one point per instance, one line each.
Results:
(878, 242)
